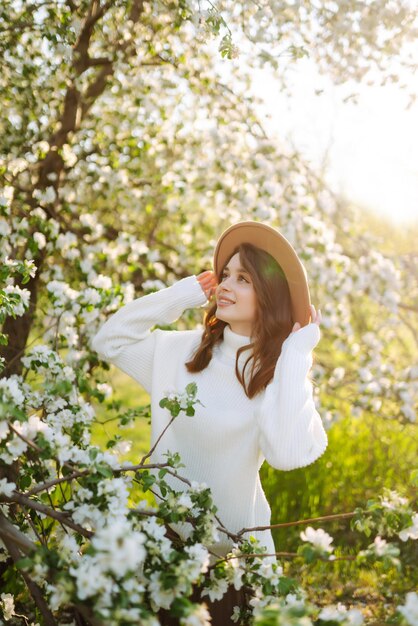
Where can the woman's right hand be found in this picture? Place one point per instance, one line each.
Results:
(316, 318)
(208, 283)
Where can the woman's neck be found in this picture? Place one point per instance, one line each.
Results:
(232, 341)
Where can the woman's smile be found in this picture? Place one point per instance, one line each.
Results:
(222, 301)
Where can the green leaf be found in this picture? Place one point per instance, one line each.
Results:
(414, 478)
(93, 452)
(24, 563)
(191, 389)
(25, 481)
(104, 470)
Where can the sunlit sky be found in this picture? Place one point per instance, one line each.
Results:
(370, 148)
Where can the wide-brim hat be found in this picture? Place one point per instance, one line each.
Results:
(272, 241)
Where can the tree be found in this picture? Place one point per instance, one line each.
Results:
(124, 152)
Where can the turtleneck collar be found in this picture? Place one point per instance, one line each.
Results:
(232, 341)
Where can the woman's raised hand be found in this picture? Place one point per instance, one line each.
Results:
(208, 282)
(316, 318)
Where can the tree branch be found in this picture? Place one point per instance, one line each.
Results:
(348, 557)
(86, 472)
(63, 518)
(15, 541)
(324, 518)
(81, 47)
(9, 532)
(408, 307)
(144, 458)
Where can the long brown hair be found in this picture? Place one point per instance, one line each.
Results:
(272, 324)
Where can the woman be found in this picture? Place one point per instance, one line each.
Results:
(250, 365)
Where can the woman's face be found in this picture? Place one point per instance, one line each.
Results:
(235, 297)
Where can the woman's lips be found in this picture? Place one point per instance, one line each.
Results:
(222, 302)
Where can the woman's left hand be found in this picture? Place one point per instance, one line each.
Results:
(316, 318)
(208, 282)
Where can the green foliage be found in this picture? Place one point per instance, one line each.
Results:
(184, 402)
(122, 417)
(364, 456)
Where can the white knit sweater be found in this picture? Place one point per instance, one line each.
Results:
(225, 443)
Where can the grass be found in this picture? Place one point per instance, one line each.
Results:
(131, 396)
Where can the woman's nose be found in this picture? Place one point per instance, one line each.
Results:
(225, 282)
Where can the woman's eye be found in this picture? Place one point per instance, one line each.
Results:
(223, 276)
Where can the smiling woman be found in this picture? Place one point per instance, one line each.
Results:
(253, 300)
(250, 366)
(236, 297)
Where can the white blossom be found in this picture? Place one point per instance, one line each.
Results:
(200, 555)
(318, 537)
(411, 532)
(337, 375)
(199, 617)
(68, 154)
(90, 296)
(184, 501)
(380, 546)
(7, 605)
(58, 594)
(410, 609)
(149, 285)
(4, 429)
(5, 228)
(24, 295)
(40, 240)
(90, 579)
(31, 428)
(7, 487)
(154, 529)
(62, 293)
(217, 589)
(197, 487)
(161, 597)
(409, 412)
(235, 569)
(120, 549)
(103, 282)
(122, 447)
(69, 548)
(16, 446)
(47, 195)
(339, 613)
(393, 500)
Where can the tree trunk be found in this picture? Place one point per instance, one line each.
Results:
(18, 329)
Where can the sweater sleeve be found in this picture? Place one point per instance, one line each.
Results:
(291, 433)
(126, 340)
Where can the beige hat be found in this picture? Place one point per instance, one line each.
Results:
(270, 240)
